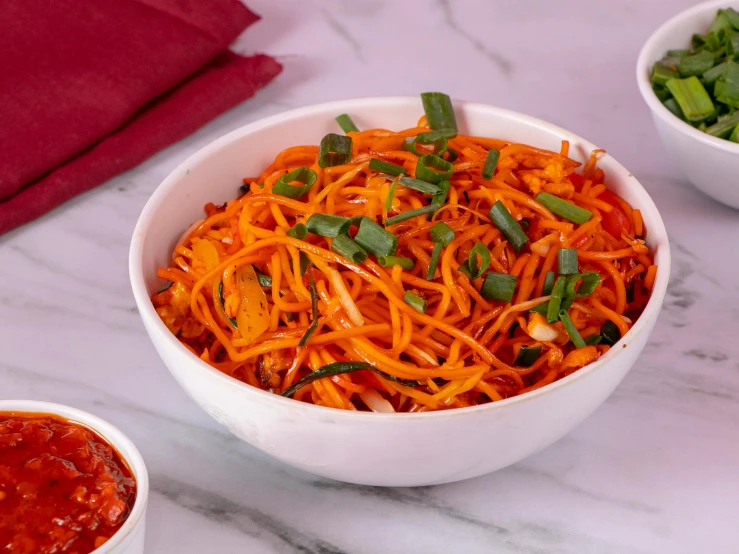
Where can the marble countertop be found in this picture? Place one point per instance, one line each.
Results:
(655, 469)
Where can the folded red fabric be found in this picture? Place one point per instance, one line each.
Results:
(88, 89)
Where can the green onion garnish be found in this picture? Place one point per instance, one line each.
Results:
(165, 287)
(672, 105)
(375, 240)
(415, 301)
(433, 169)
(298, 231)
(442, 235)
(338, 368)
(334, 150)
(346, 123)
(588, 282)
(498, 286)
(417, 184)
(567, 258)
(440, 197)
(301, 175)
(328, 225)
(555, 302)
(391, 195)
(730, 92)
(472, 268)
(344, 246)
(548, 283)
(314, 312)
(661, 73)
(435, 138)
(386, 167)
(696, 64)
(439, 111)
(723, 127)
(305, 263)
(563, 208)
(692, 98)
(564, 317)
(490, 163)
(610, 332)
(451, 155)
(592, 340)
(527, 355)
(510, 228)
(678, 53)
(410, 214)
(390, 261)
(713, 74)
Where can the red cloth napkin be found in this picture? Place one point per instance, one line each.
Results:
(90, 89)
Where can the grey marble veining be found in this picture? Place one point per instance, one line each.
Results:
(654, 470)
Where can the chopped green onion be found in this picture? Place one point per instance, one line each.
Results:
(334, 150)
(410, 214)
(165, 287)
(433, 169)
(498, 286)
(567, 258)
(490, 163)
(548, 283)
(678, 53)
(344, 246)
(301, 175)
(231, 320)
(264, 280)
(696, 64)
(564, 317)
(732, 17)
(346, 123)
(563, 208)
(442, 235)
(419, 185)
(314, 312)
(672, 105)
(451, 155)
(661, 73)
(541, 308)
(504, 221)
(734, 137)
(386, 167)
(328, 225)
(555, 301)
(337, 368)
(661, 92)
(730, 92)
(593, 339)
(588, 282)
(440, 197)
(692, 98)
(610, 332)
(713, 74)
(721, 22)
(375, 240)
(391, 195)
(439, 111)
(298, 231)
(415, 301)
(527, 355)
(471, 267)
(408, 145)
(390, 261)
(243, 189)
(435, 138)
(723, 127)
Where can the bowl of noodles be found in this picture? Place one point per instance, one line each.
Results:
(399, 291)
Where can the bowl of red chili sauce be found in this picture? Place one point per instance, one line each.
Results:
(69, 482)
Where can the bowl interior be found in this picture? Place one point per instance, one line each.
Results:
(215, 173)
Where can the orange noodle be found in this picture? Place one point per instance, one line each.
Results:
(464, 303)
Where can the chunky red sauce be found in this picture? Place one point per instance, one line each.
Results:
(63, 488)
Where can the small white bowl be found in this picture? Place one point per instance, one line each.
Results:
(710, 163)
(129, 539)
(359, 447)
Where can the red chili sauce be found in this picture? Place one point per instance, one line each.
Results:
(63, 488)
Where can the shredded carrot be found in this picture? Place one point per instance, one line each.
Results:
(461, 349)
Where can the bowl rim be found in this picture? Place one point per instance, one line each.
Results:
(125, 447)
(167, 186)
(647, 58)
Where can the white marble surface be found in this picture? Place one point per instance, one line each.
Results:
(655, 469)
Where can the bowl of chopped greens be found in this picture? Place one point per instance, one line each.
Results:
(688, 74)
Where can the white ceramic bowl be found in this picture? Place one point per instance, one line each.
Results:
(360, 447)
(710, 163)
(129, 539)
